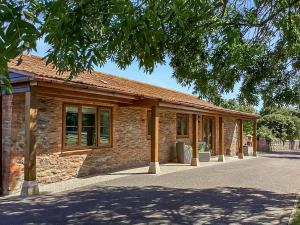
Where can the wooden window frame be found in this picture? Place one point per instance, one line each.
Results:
(97, 124)
(187, 125)
(108, 145)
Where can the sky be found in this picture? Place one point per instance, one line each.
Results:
(161, 76)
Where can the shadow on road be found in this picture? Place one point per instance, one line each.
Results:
(282, 154)
(151, 204)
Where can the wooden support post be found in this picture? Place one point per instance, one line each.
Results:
(154, 164)
(254, 139)
(241, 152)
(221, 157)
(30, 186)
(200, 128)
(214, 136)
(195, 160)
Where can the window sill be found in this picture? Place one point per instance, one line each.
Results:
(65, 152)
(182, 136)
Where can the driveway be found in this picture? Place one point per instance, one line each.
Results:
(257, 191)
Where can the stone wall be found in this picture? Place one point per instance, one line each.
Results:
(264, 146)
(13, 141)
(231, 136)
(6, 139)
(130, 147)
(130, 143)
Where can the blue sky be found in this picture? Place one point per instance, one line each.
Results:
(161, 76)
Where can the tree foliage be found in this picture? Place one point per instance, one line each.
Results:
(17, 34)
(287, 111)
(278, 123)
(266, 133)
(234, 104)
(212, 45)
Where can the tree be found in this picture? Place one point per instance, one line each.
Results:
(279, 124)
(234, 104)
(290, 112)
(266, 133)
(211, 45)
(17, 34)
(287, 111)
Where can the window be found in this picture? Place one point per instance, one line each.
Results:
(105, 128)
(82, 127)
(149, 124)
(71, 135)
(182, 122)
(88, 127)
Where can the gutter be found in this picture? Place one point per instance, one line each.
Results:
(210, 110)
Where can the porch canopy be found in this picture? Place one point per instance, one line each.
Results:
(31, 74)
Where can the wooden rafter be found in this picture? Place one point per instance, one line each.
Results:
(77, 95)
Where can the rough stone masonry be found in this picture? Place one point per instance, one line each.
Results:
(130, 143)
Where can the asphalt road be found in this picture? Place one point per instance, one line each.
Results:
(256, 191)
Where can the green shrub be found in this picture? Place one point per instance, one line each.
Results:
(266, 133)
(282, 127)
(296, 220)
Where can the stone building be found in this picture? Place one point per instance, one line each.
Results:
(55, 129)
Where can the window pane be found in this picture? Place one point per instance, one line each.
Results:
(88, 130)
(71, 138)
(182, 125)
(104, 127)
(178, 126)
(149, 124)
(88, 116)
(207, 132)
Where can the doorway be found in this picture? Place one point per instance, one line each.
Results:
(208, 135)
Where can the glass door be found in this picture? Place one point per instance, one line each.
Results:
(208, 132)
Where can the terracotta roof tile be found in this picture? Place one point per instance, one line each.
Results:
(37, 67)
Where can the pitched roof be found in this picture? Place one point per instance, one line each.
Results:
(38, 68)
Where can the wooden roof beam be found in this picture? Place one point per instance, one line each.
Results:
(146, 103)
(76, 95)
(82, 88)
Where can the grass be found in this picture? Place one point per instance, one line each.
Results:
(296, 220)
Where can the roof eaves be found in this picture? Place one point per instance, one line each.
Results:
(218, 110)
(83, 85)
(36, 77)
